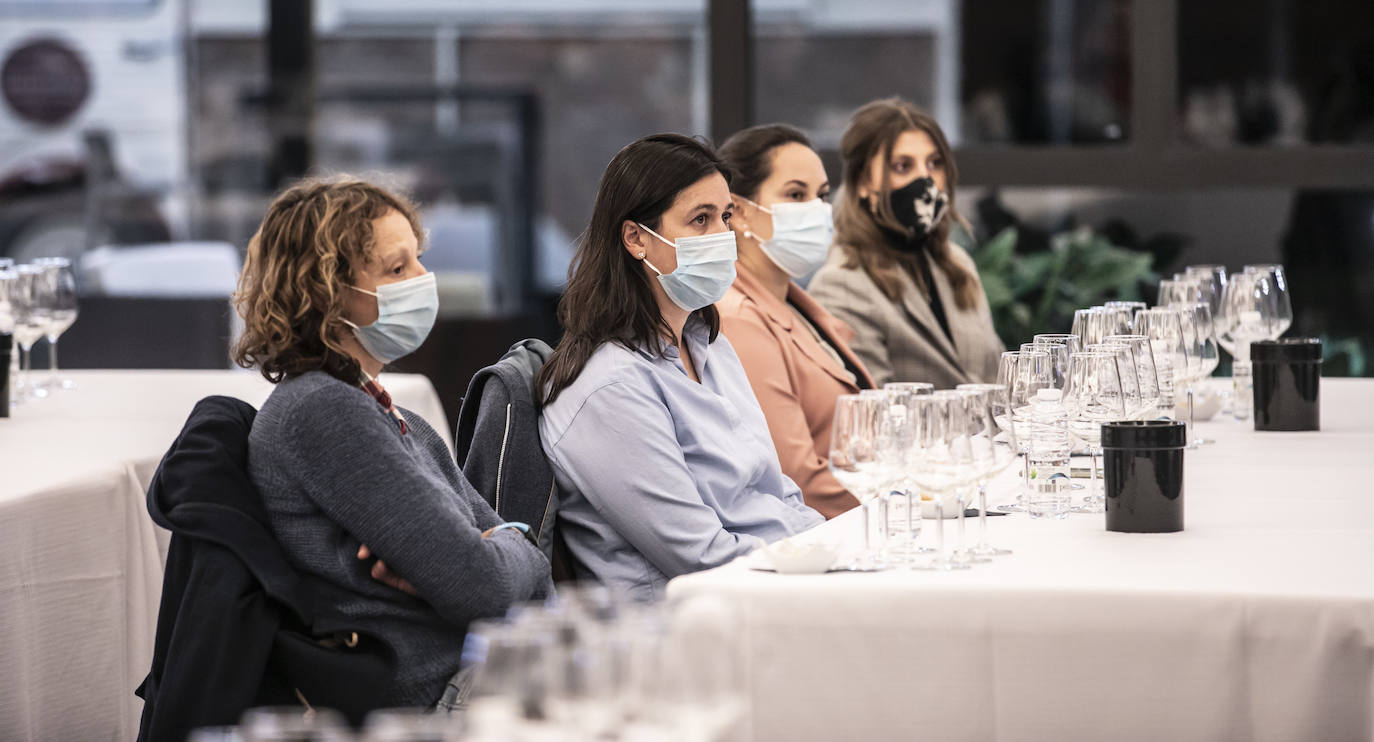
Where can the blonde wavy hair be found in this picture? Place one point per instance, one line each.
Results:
(291, 293)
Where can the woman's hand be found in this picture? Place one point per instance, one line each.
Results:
(382, 574)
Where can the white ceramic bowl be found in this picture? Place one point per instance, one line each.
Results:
(951, 504)
(1206, 404)
(800, 559)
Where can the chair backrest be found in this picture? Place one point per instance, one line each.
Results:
(497, 445)
(235, 619)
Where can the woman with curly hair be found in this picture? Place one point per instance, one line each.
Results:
(332, 290)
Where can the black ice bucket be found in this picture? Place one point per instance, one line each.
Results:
(1142, 462)
(1288, 381)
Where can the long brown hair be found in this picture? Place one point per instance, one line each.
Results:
(291, 292)
(859, 223)
(609, 298)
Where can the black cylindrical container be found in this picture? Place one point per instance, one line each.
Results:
(1288, 380)
(1142, 461)
(6, 347)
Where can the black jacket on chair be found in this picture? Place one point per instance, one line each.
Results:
(232, 625)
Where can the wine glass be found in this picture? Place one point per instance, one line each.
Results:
(855, 460)
(944, 459)
(994, 448)
(411, 725)
(899, 497)
(1126, 372)
(1276, 288)
(1094, 396)
(1112, 321)
(1082, 322)
(1060, 347)
(1213, 278)
(1202, 347)
(967, 404)
(902, 391)
(60, 308)
(289, 723)
(1023, 374)
(1145, 371)
(8, 278)
(26, 297)
(1165, 330)
(1174, 291)
(1130, 307)
(1249, 312)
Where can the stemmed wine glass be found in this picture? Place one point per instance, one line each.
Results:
(1131, 307)
(856, 461)
(26, 296)
(1094, 396)
(994, 448)
(1023, 374)
(1179, 290)
(1249, 311)
(1213, 278)
(966, 406)
(1165, 330)
(1145, 371)
(902, 511)
(944, 460)
(1202, 357)
(60, 308)
(1126, 371)
(1095, 323)
(1276, 289)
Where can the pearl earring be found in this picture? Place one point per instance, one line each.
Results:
(640, 255)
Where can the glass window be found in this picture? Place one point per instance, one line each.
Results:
(1276, 72)
(1325, 240)
(1048, 72)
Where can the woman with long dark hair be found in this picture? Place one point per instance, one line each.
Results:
(795, 353)
(912, 296)
(658, 445)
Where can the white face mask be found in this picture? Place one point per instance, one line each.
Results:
(802, 233)
(406, 311)
(705, 269)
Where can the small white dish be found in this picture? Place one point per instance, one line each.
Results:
(951, 506)
(789, 558)
(1205, 405)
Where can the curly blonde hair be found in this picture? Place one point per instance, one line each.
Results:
(291, 293)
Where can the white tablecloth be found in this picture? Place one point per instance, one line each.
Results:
(1255, 623)
(81, 574)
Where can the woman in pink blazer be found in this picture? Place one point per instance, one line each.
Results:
(795, 353)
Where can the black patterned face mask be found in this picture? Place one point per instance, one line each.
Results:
(920, 206)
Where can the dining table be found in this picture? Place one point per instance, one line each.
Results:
(81, 577)
(1255, 622)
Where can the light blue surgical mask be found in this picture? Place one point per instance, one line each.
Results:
(705, 269)
(802, 233)
(405, 314)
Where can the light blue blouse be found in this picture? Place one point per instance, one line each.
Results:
(660, 475)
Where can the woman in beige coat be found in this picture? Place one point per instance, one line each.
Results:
(795, 353)
(912, 297)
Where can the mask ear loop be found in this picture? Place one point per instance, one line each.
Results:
(749, 233)
(365, 291)
(660, 237)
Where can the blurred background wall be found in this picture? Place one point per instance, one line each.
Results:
(157, 130)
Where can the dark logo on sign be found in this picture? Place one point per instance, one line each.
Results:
(45, 82)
